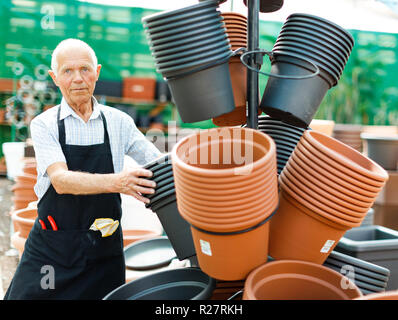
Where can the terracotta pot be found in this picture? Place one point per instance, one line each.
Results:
(226, 257)
(324, 126)
(317, 207)
(231, 27)
(233, 182)
(238, 79)
(294, 234)
(21, 203)
(325, 163)
(319, 195)
(20, 190)
(297, 280)
(201, 213)
(133, 235)
(227, 20)
(234, 15)
(18, 242)
(387, 295)
(202, 191)
(26, 179)
(24, 220)
(259, 149)
(306, 168)
(353, 161)
(223, 225)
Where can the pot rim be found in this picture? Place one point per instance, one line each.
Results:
(269, 153)
(378, 173)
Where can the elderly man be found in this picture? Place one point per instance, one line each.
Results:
(80, 146)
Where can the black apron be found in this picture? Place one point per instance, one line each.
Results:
(82, 263)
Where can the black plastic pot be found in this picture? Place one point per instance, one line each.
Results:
(296, 131)
(203, 95)
(282, 132)
(285, 143)
(316, 31)
(321, 62)
(186, 35)
(193, 54)
(190, 41)
(178, 284)
(268, 5)
(177, 229)
(292, 100)
(318, 42)
(331, 26)
(164, 182)
(149, 254)
(161, 190)
(383, 150)
(161, 160)
(185, 30)
(183, 23)
(162, 196)
(158, 54)
(311, 46)
(222, 47)
(163, 176)
(182, 13)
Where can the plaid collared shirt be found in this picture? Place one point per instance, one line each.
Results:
(125, 138)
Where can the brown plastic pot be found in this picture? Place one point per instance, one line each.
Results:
(353, 160)
(226, 204)
(226, 257)
(24, 220)
(236, 28)
(252, 186)
(30, 169)
(299, 162)
(244, 212)
(332, 167)
(261, 147)
(224, 225)
(297, 280)
(324, 197)
(26, 179)
(21, 202)
(294, 234)
(238, 79)
(316, 206)
(221, 189)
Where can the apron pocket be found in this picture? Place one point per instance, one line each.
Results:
(64, 247)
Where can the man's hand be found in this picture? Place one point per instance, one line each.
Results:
(132, 182)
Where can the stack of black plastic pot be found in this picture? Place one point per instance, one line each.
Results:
(191, 50)
(369, 277)
(163, 203)
(304, 41)
(285, 136)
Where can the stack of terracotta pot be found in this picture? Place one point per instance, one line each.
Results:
(350, 134)
(23, 221)
(298, 280)
(226, 188)
(326, 189)
(236, 29)
(23, 188)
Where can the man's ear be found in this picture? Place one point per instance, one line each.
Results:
(53, 76)
(98, 70)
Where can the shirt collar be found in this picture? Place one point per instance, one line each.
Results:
(66, 110)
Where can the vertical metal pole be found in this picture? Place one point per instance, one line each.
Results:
(253, 7)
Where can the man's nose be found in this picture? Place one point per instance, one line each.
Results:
(77, 76)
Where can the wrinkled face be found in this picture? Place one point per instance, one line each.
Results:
(76, 75)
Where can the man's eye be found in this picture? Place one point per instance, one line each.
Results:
(67, 71)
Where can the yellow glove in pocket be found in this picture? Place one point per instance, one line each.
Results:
(107, 226)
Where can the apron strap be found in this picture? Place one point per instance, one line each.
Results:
(61, 128)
